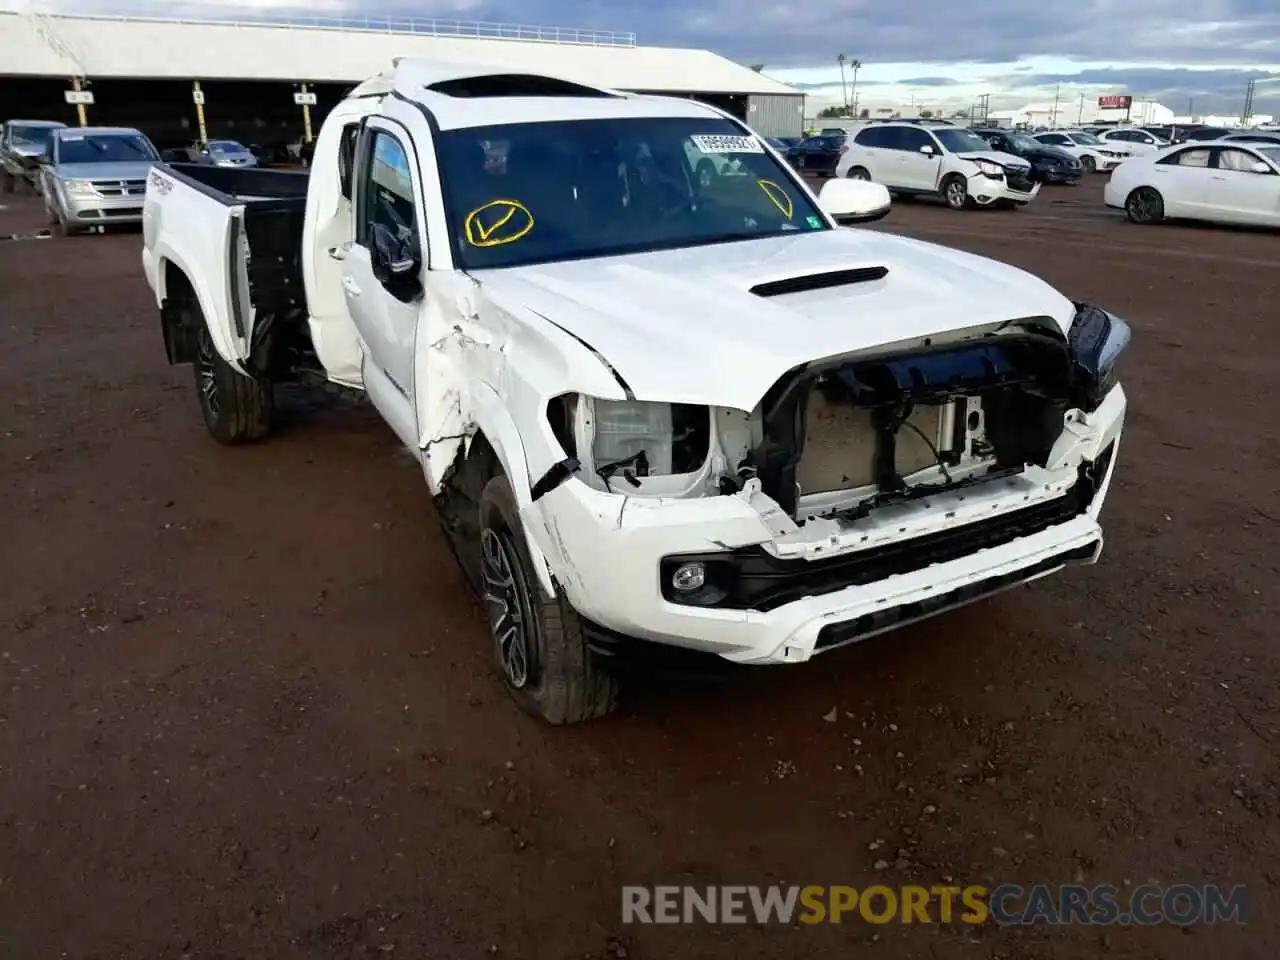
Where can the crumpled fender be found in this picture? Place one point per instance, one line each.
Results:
(490, 416)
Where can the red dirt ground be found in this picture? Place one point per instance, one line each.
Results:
(248, 711)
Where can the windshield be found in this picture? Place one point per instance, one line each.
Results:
(31, 136)
(1084, 139)
(1021, 141)
(535, 192)
(105, 148)
(960, 141)
(226, 146)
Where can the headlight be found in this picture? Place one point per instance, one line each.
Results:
(632, 439)
(1096, 340)
(78, 187)
(987, 168)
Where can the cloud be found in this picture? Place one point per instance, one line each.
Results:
(930, 82)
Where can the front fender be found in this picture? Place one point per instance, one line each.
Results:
(490, 415)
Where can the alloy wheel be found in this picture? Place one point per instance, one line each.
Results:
(507, 606)
(207, 371)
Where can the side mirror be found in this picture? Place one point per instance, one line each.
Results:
(395, 260)
(854, 201)
(1260, 167)
(926, 150)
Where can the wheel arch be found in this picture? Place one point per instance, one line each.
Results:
(496, 431)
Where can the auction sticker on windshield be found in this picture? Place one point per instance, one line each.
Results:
(723, 143)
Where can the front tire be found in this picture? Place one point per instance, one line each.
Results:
(6, 181)
(858, 173)
(955, 191)
(1090, 165)
(236, 409)
(1144, 206)
(539, 644)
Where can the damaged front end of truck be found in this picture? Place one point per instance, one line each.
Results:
(855, 469)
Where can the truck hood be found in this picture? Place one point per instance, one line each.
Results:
(130, 170)
(683, 325)
(1006, 160)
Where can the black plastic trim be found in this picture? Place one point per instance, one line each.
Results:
(848, 631)
(749, 578)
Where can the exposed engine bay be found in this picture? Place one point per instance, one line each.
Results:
(835, 440)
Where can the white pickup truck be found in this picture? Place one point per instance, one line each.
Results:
(658, 411)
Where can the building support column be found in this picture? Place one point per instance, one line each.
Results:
(197, 96)
(306, 114)
(80, 111)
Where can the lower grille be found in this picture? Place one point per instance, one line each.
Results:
(1020, 182)
(838, 634)
(752, 579)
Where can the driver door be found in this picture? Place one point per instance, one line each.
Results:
(385, 305)
(919, 170)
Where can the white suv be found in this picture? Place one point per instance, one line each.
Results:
(952, 162)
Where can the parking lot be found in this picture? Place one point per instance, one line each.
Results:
(248, 708)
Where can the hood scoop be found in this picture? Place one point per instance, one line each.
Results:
(819, 281)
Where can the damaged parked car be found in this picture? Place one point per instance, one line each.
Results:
(657, 410)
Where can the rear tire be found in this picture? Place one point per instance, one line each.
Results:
(6, 181)
(1144, 206)
(539, 644)
(955, 191)
(236, 409)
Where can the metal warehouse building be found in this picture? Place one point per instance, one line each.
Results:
(252, 80)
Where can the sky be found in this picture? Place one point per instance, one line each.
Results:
(1197, 54)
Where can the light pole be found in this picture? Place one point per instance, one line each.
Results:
(856, 64)
(844, 90)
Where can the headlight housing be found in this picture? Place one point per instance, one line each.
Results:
(987, 168)
(79, 188)
(1096, 340)
(631, 440)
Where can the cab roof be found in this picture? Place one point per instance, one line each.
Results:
(471, 95)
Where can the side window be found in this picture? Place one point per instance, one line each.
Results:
(870, 137)
(1056, 139)
(1238, 160)
(347, 157)
(386, 191)
(913, 140)
(1197, 157)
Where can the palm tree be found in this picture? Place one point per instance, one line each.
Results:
(856, 65)
(844, 91)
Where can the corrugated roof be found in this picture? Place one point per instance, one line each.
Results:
(105, 47)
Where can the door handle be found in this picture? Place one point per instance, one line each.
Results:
(351, 286)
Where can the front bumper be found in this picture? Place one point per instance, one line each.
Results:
(83, 210)
(903, 563)
(1059, 174)
(1107, 164)
(987, 190)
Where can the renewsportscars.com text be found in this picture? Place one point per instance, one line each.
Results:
(1105, 904)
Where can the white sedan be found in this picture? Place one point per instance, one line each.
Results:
(1093, 154)
(1222, 181)
(1138, 141)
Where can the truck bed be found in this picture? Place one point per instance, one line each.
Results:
(248, 221)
